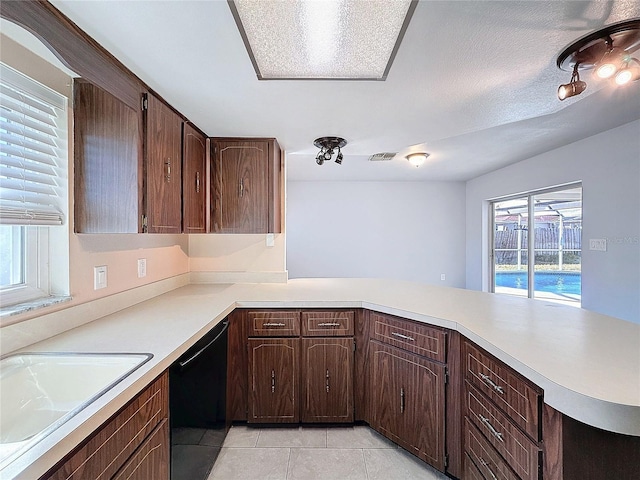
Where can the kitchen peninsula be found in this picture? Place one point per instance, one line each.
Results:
(586, 363)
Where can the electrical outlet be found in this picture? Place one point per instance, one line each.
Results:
(443, 277)
(99, 277)
(270, 239)
(598, 244)
(142, 267)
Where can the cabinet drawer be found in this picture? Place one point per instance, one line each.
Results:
(113, 444)
(151, 460)
(285, 323)
(327, 324)
(471, 472)
(518, 398)
(484, 456)
(421, 339)
(516, 448)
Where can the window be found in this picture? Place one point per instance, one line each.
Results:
(543, 264)
(33, 177)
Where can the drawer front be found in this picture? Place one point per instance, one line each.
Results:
(516, 448)
(327, 324)
(113, 444)
(518, 398)
(471, 472)
(484, 456)
(421, 339)
(285, 323)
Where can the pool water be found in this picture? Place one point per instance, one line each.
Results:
(560, 283)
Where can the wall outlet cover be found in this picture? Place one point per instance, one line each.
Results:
(99, 277)
(598, 244)
(142, 267)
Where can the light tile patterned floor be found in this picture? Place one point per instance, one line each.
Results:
(311, 453)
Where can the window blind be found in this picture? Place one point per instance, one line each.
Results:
(33, 151)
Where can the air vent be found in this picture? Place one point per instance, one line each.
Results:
(382, 157)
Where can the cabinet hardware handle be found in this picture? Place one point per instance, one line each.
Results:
(401, 399)
(329, 324)
(272, 324)
(495, 433)
(486, 465)
(327, 381)
(404, 337)
(197, 182)
(167, 176)
(489, 382)
(273, 381)
(241, 187)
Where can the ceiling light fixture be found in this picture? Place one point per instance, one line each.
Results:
(417, 159)
(330, 39)
(607, 51)
(328, 146)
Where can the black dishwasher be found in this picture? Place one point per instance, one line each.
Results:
(197, 405)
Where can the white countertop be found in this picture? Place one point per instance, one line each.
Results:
(588, 364)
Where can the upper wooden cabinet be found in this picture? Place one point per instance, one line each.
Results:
(194, 181)
(245, 185)
(107, 162)
(163, 152)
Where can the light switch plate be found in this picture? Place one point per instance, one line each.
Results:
(271, 239)
(99, 277)
(598, 244)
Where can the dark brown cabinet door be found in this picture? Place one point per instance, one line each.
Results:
(273, 380)
(408, 401)
(246, 186)
(327, 379)
(163, 168)
(193, 180)
(107, 162)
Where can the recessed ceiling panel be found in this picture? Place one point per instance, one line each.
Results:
(322, 39)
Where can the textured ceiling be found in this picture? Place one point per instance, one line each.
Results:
(473, 83)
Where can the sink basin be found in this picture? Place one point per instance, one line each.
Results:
(41, 391)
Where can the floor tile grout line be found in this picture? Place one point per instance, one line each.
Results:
(286, 475)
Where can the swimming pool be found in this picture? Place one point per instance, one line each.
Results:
(560, 283)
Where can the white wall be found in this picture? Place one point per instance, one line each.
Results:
(608, 165)
(405, 230)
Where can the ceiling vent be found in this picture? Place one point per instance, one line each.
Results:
(382, 157)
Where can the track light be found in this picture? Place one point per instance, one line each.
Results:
(574, 87)
(328, 146)
(629, 73)
(608, 51)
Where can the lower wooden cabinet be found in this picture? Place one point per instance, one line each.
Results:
(131, 444)
(151, 460)
(273, 380)
(407, 394)
(327, 380)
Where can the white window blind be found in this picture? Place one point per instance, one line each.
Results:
(33, 151)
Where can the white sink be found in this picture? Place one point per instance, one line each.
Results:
(41, 391)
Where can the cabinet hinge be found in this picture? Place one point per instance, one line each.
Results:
(446, 460)
(446, 376)
(145, 102)
(354, 345)
(145, 226)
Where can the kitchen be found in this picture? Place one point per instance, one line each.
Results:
(175, 260)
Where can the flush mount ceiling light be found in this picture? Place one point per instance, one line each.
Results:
(608, 52)
(417, 159)
(328, 146)
(330, 39)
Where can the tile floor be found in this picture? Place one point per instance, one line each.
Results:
(309, 453)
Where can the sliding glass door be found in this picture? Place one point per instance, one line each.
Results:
(536, 245)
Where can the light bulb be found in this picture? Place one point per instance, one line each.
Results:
(417, 159)
(629, 73)
(610, 63)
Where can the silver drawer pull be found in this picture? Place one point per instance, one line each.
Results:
(490, 382)
(329, 324)
(495, 433)
(404, 337)
(271, 324)
(485, 464)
